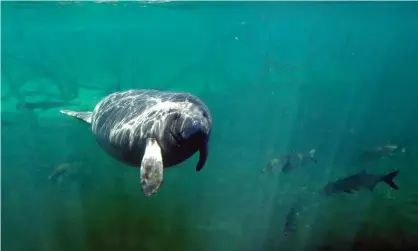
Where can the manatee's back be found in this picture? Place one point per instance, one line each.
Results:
(182, 97)
(116, 121)
(123, 106)
(118, 108)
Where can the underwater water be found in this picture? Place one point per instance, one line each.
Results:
(278, 78)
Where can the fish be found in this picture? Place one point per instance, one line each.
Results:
(379, 152)
(297, 160)
(271, 165)
(358, 181)
(6, 122)
(44, 105)
(59, 172)
(290, 224)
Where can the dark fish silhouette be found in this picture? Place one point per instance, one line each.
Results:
(59, 172)
(290, 161)
(290, 224)
(6, 122)
(297, 160)
(271, 165)
(380, 152)
(41, 105)
(358, 181)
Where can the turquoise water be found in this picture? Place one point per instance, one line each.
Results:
(278, 77)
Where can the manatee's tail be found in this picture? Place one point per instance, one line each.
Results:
(85, 116)
(388, 179)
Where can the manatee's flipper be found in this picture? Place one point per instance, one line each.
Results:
(85, 116)
(203, 156)
(151, 168)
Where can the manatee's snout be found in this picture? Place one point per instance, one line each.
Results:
(194, 129)
(196, 132)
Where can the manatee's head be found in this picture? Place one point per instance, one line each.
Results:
(191, 129)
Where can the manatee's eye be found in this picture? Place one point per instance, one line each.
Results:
(205, 114)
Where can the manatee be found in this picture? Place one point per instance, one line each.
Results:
(150, 129)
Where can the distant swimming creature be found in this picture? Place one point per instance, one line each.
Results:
(273, 163)
(379, 152)
(59, 172)
(290, 224)
(291, 161)
(41, 105)
(297, 160)
(360, 180)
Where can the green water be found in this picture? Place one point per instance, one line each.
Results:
(278, 77)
